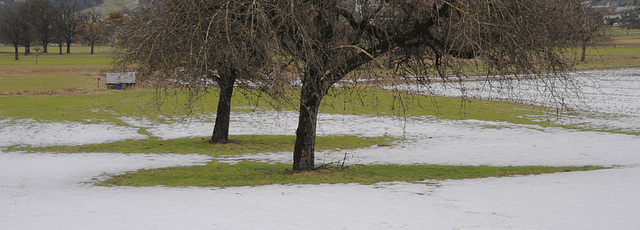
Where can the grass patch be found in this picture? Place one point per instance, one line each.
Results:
(110, 105)
(386, 103)
(53, 73)
(55, 80)
(248, 173)
(246, 144)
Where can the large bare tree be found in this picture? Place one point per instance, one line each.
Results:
(328, 39)
(197, 44)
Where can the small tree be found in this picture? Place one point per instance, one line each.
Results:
(589, 26)
(93, 30)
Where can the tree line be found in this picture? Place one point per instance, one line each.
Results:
(40, 23)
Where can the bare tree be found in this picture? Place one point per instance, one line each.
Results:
(588, 24)
(14, 25)
(42, 14)
(330, 39)
(66, 22)
(28, 13)
(92, 30)
(193, 44)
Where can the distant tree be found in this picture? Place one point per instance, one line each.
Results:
(66, 22)
(14, 27)
(113, 22)
(29, 15)
(92, 29)
(57, 33)
(631, 19)
(587, 22)
(42, 14)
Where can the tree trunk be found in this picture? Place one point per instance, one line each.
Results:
(68, 47)
(92, 45)
(223, 115)
(27, 50)
(15, 46)
(304, 150)
(60, 46)
(45, 48)
(584, 51)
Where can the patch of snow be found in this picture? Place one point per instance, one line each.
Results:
(470, 142)
(31, 132)
(613, 96)
(46, 191)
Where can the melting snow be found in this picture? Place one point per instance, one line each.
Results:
(55, 191)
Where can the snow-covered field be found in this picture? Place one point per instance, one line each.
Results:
(608, 98)
(55, 191)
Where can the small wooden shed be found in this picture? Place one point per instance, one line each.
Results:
(121, 80)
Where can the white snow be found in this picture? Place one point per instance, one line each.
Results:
(31, 132)
(613, 96)
(56, 191)
(431, 141)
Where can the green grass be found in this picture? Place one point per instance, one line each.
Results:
(608, 57)
(619, 32)
(111, 105)
(247, 144)
(616, 51)
(386, 103)
(54, 83)
(54, 73)
(107, 106)
(248, 173)
(79, 56)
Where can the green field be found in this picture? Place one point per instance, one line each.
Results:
(53, 73)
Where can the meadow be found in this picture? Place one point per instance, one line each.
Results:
(70, 88)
